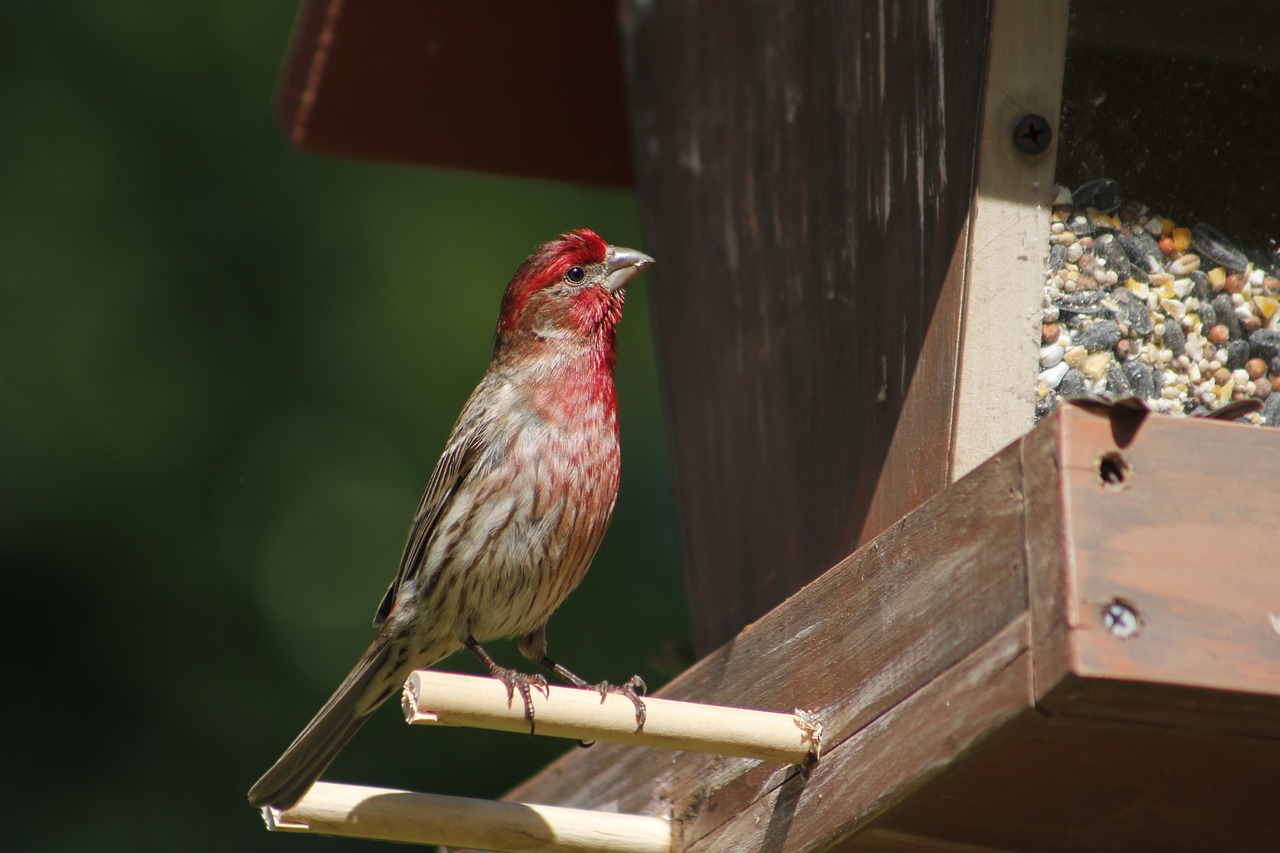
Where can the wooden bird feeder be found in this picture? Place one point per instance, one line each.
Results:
(1058, 638)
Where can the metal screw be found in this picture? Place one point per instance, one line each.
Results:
(1032, 134)
(1122, 619)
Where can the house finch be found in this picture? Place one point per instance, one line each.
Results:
(515, 509)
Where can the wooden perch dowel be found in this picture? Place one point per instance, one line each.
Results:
(384, 814)
(448, 699)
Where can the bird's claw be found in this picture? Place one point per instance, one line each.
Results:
(526, 684)
(633, 688)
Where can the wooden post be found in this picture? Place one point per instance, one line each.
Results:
(805, 173)
(996, 401)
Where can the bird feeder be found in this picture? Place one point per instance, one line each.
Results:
(1019, 625)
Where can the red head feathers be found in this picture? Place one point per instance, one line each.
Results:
(569, 287)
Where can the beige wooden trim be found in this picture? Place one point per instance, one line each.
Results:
(995, 395)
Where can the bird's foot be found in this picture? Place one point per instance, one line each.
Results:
(515, 680)
(633, 688)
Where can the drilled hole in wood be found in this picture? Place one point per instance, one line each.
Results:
(1113, 471)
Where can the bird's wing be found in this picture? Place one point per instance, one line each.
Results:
(451, 471)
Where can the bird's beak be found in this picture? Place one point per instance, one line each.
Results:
(622, 265)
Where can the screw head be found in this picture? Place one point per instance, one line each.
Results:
(1032, 134)
(1121, 619)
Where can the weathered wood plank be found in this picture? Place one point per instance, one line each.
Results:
(1217, 712)
(1182, 541)
(805, 172)
(888, 759)
(1069, 784)
(1047, 588)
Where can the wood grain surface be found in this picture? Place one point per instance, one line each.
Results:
(1187, 539)
(1074, 784)
(805, 172)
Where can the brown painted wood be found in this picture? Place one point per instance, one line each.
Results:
(1182, 542)
(516, 88)
(1217, 712)
(1071, 784)
(1047, 577)
(1111, 760)
(805, 172)
(946, 661)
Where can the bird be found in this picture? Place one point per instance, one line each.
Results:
(514, 511)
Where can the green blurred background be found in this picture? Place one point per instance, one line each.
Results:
(226, 371)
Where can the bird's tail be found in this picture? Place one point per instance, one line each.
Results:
(376, 677)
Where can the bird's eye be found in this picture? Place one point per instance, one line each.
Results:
(575, 275)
